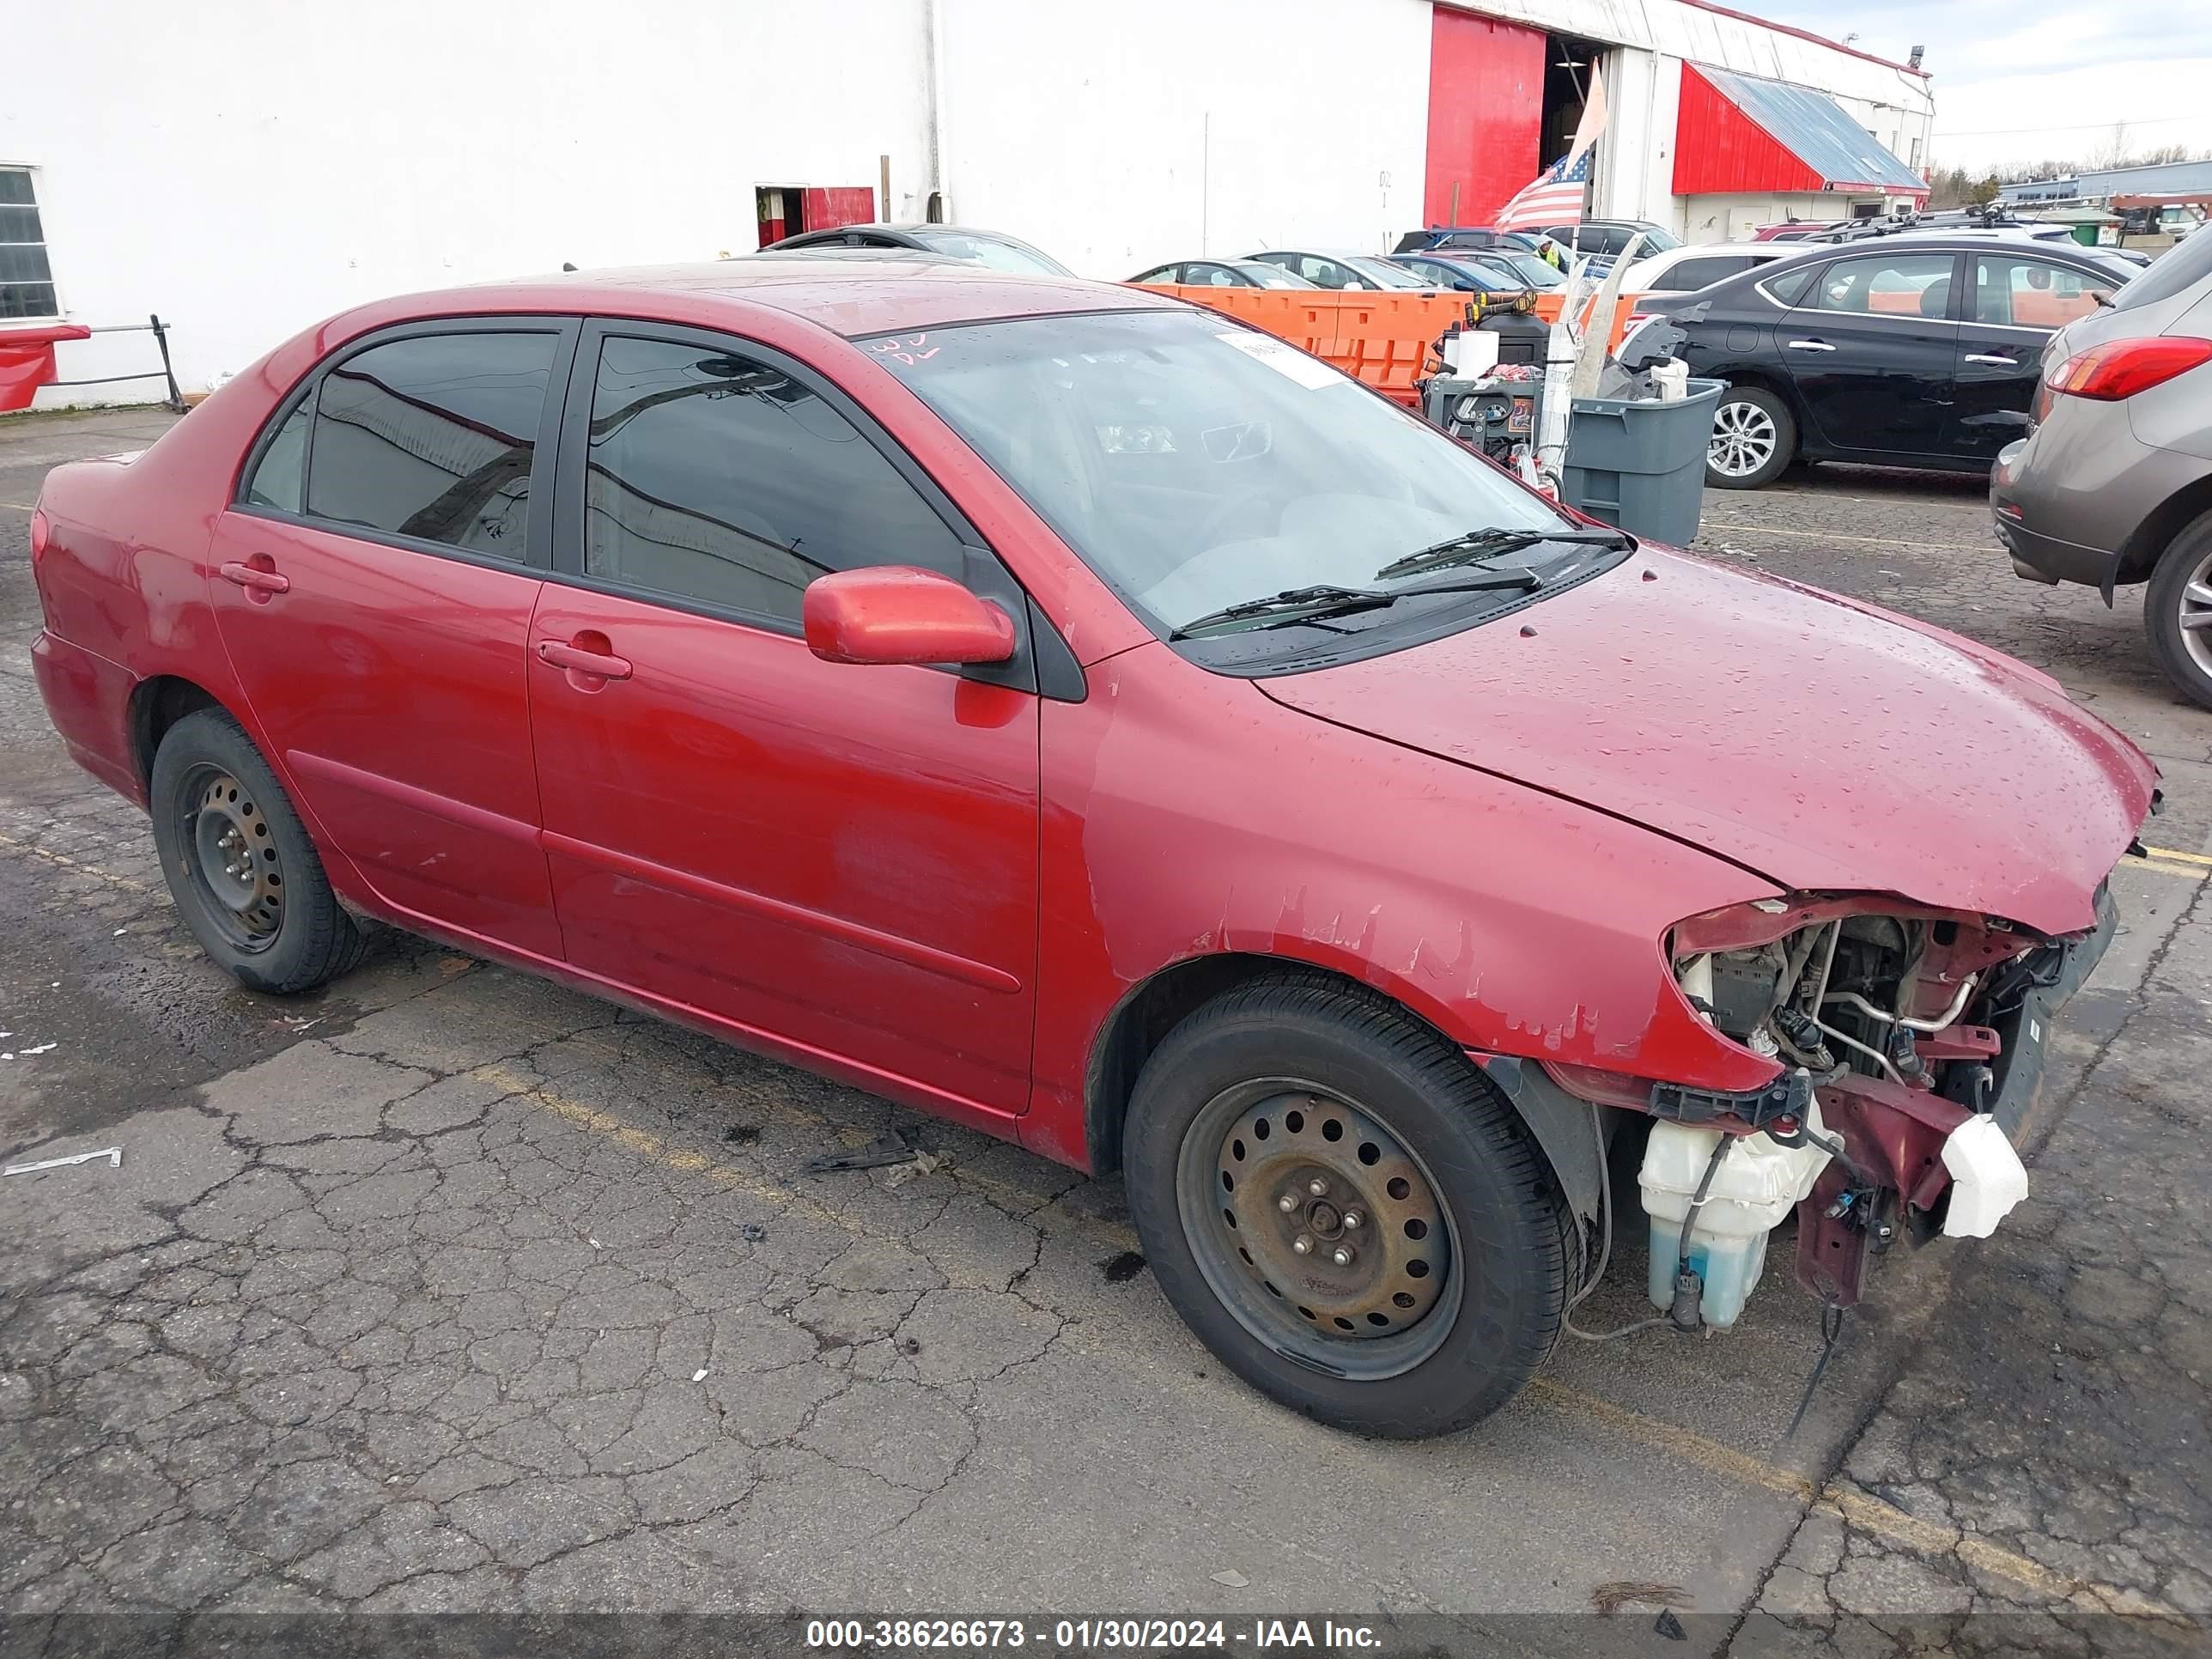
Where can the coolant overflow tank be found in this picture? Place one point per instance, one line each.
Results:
(1758, 1183)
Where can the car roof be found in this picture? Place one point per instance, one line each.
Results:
(910, 227)
(851, 297)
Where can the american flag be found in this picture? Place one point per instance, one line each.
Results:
(1554, 197)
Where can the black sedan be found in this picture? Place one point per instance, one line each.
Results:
(1470, 273)
(994, 248)
(1917, 352)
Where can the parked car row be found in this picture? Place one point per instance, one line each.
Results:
(1956, 342)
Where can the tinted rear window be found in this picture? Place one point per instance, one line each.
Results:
(2188, 264)
(1696, 273)
(433, 437)
(1790, 285)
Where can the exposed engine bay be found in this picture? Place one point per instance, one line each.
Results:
(1896, 1030)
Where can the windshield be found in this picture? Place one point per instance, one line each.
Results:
(1382, 272)
(1195, 466)
(1000, 252)
(1264, 275)
(1655, 240)
(2189, 262)
(1529, 270)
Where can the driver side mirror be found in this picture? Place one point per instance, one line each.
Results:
(901, 614)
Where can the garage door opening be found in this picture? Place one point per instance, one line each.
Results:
(1568, 62)
(784, 210)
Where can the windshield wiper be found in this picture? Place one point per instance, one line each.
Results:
(1291, 605)
(1470, 545)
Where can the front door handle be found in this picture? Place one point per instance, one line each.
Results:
(1810, 345)
(1991, 357)
(580, 661)
(256, 580)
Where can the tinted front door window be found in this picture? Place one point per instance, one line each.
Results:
(718, 479)
(432, 437)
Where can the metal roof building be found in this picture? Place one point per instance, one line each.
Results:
(2148, 187)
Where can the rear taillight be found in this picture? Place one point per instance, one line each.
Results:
(38, 531)
(2121, 368)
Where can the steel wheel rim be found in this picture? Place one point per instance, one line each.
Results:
(1376, 1316)
(2195, 617)
(1743, 440)
(230, 857)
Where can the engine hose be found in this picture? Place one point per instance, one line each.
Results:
(1690, 1216)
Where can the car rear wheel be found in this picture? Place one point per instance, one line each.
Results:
(2177, 612)
(1344, 1210)
(238, 862)
(1754, 438)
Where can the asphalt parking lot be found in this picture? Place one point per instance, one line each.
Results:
(451, 1290)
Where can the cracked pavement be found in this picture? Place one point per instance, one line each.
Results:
(451, 1290)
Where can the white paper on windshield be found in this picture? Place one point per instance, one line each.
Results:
(1283, 358)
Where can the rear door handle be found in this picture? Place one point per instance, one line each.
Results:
(583, 662)
(252, 576)
(1810, 345)
(1989, 357)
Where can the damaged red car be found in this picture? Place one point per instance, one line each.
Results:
(1064, 710)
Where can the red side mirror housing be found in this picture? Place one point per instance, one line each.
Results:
(899, 614)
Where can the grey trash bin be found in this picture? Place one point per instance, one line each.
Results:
(1642, 466)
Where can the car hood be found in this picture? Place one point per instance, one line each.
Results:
(1826, 744)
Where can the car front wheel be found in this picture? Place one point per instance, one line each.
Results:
(1345, 1211)
(238, 862)
(2177, 612)
(1754, 438)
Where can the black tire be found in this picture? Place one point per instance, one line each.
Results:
(2187, 562)
(1755, 415)
(272, 923)
(1306, 1047)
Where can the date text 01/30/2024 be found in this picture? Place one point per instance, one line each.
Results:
(1166, 1635)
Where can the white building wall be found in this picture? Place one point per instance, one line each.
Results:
(245, 167)
(1120, 136)
(1734, 218)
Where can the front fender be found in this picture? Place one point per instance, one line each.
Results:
(1185, 815)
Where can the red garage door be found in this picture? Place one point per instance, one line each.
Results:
(1486, 105)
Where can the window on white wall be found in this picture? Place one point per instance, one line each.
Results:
(27, 281)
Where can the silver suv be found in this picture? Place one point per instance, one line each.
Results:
(2113, 482)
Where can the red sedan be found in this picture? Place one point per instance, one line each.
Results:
(1060, 709)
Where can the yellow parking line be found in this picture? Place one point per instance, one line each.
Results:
(72, 864)
(2176, 852)
(19, 507)
(2186, 872)
(1869, 1514)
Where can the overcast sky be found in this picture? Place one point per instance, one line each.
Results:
(2023, 80)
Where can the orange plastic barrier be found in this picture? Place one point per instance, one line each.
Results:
(1382, 338)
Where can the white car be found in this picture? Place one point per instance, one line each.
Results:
(1685, 270)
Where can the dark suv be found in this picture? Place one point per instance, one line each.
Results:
(2113, 482)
